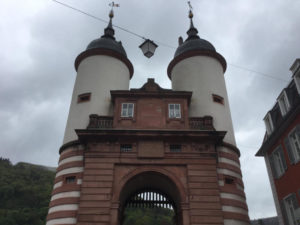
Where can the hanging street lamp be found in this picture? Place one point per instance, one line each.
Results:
(148, 48)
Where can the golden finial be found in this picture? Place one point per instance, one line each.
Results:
(111, 14)
(190, 12)
(112, 5)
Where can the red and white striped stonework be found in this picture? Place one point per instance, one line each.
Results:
(66, 190)
(233, 198)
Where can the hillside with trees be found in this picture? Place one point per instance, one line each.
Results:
(25, 191)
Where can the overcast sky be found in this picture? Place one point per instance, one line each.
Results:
(41, 39)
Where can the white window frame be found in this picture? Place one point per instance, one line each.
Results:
(125, 111)
(278, 163)
(291, 212)
(174, 111)
(283, 103)
(294, 140)
(269, 123)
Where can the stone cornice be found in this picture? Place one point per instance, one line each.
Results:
(116, 134)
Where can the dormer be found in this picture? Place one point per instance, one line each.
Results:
(269, 123)
(295, 68)
(283, 103)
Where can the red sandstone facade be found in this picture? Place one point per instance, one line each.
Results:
(281, 149)
(95, 176)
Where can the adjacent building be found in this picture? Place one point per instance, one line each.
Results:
(281, 150)
(149, 147)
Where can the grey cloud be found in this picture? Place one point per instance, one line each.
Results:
(38, 71)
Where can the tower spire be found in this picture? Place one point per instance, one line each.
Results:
(109, 31)
(192, 31)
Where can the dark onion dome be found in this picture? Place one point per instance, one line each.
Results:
(192, 46)
(193, 42)
(196, 44)
(108, 41)
(106, 45)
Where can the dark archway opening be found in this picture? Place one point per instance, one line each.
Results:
(150, 198)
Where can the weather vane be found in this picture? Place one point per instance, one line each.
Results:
(148, 47)
(113, 4)
(190, 5)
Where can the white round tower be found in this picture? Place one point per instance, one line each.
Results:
(197, 67)
(102, 67)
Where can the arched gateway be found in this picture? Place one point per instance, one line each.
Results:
(151, 190)
(149, 147)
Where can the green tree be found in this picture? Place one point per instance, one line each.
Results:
(25, 192)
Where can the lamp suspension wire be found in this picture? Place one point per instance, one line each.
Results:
(161, 43)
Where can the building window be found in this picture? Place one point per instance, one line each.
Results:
(292, 144)
(175, 148)
(218, 99)
(127, 110)
(84, 97)
(126, 148)
(70, 179)
(269, 123)
(283, 103)
(174, 111)
(291, 207)
(277, 162)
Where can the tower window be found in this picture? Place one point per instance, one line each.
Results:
(218, 99)
(127, 110)
(175, 148)
(229, 180)
(283, 103)
(174, 111)
(126, 148)
(84, 97)
(71, 179)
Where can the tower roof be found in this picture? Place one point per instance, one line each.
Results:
(193, 41)
(108, 41)
(106, 45)
(194, 46)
